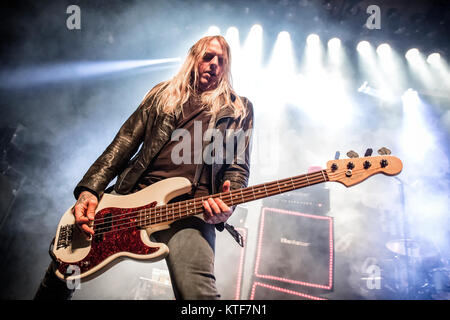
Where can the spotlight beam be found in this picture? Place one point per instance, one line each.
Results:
(44, 74)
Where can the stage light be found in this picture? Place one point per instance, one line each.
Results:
(334, 44)
(72, 71)
(420, 69)
(440, 72)
(390, 65)
(253, 46)
(368, 63)
(232, 37)
(313, 40)
(417, 137)
(412, 54)
(335, 52)
(313, 54)
(384, 50)
(281, 68)
(410, 98)
(213, 31)
(434, 59)
(363, 47)
(248, 68)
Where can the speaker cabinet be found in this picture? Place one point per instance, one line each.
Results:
(294, 249)
(264, 291)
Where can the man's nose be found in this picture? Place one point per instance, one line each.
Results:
(214, 62)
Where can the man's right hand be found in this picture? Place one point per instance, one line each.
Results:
(84, 211)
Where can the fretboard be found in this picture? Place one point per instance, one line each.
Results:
(186, 208)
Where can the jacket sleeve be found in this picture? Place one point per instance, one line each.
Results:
(238, 171)
(112, 161)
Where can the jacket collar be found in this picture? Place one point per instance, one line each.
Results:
(225, 112)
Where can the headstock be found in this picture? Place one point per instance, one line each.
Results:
(354, 170)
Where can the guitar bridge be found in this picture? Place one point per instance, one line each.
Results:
(65, 236)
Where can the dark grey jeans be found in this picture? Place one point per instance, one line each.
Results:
(191, 243)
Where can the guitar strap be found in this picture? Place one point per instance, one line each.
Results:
(198, 172)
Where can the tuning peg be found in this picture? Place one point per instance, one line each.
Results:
(368, 152)
(336, 156)
(352, 154)
(384, 151)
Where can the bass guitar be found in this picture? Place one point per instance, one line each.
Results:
(123, 223)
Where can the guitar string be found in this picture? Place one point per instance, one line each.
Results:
(193, 202)
(131, 224)
(167, 217)
(272, 187)
(218, 195)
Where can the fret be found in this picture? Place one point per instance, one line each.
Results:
(259, 192)
(139, 219)
(231, 197)
(189, 210)
(292, 182)
(236, 196)
(286, 185)
(306, 175)
(253, 191)
(278, 185)
(202, 200)
(172, 211)
(323, 175)
(265, 189)
(152, 216)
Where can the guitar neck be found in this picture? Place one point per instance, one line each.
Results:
(235, 197)
(183, 209)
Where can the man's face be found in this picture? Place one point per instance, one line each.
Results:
(210, 66)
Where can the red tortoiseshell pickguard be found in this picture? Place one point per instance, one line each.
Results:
(118, 239)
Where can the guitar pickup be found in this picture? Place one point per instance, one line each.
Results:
(65, 236)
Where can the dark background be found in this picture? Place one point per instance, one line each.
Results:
(61, 127)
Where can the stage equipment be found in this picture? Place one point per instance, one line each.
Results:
(158, 287)
(314, 200)
(294, 248)
(264, 291)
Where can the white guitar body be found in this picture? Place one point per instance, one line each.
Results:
(78, 251)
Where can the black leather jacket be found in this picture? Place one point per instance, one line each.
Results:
(150, 131)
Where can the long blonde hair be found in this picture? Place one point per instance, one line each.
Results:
(170, 95)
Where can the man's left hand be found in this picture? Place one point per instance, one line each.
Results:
(216, 210)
